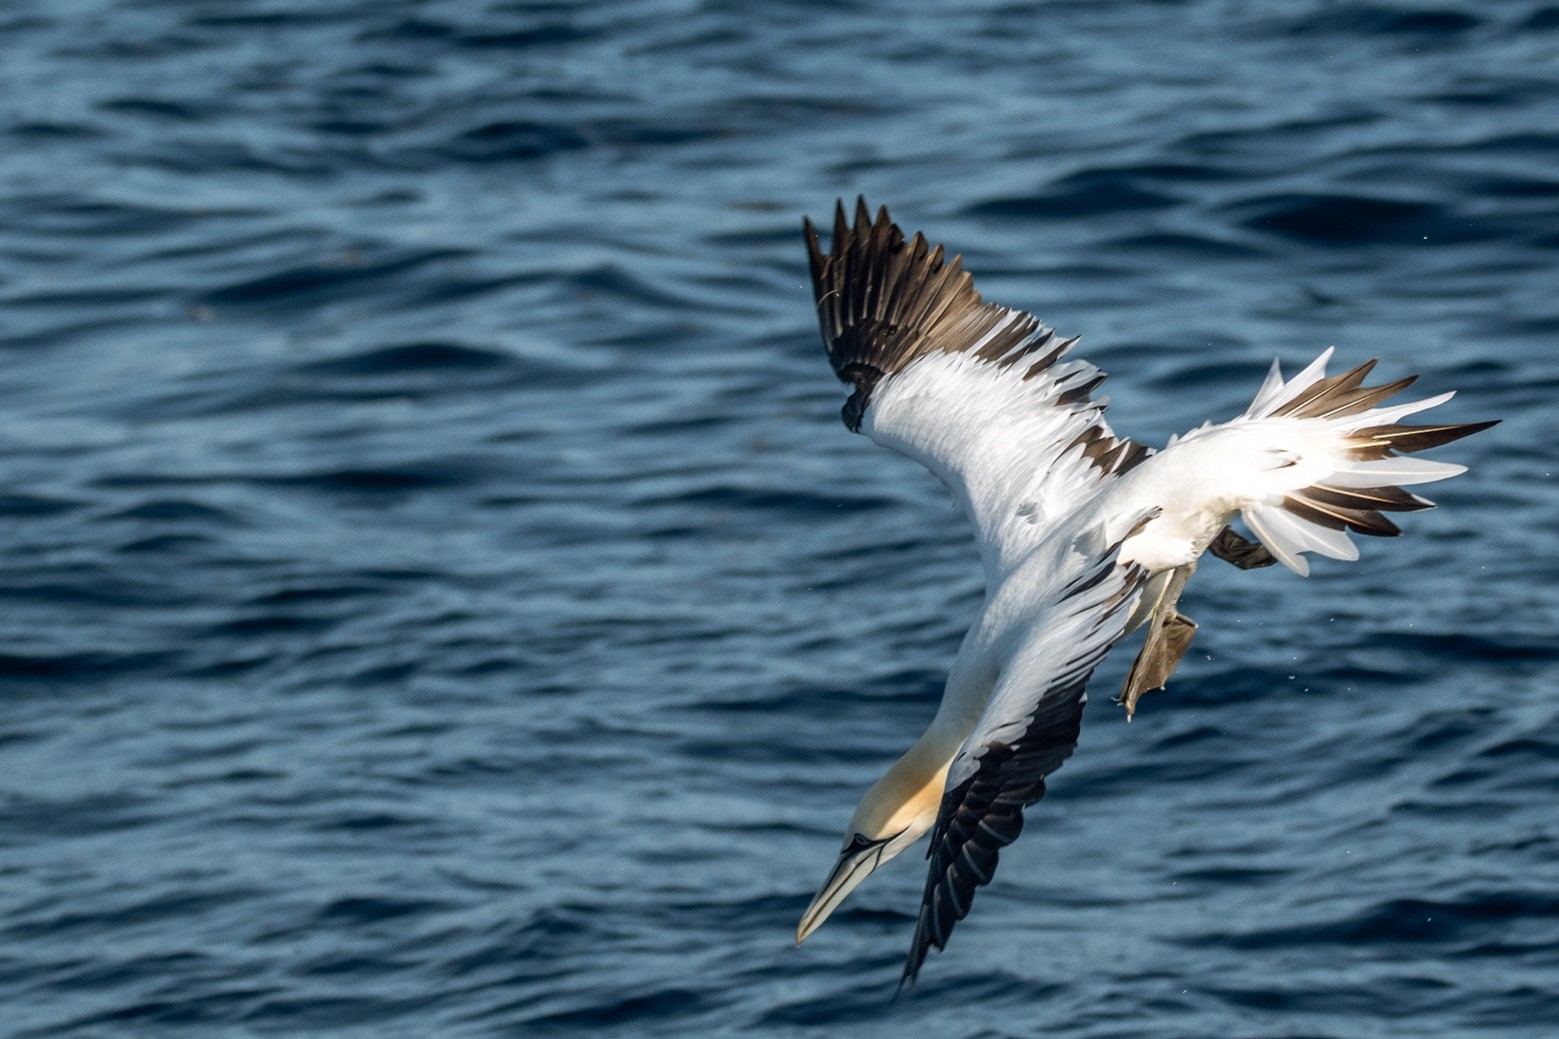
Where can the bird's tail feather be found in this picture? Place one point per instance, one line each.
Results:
(1364, 469)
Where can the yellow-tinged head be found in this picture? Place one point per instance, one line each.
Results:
(895, 813)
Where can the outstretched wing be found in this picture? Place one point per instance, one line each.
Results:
(1029, 728)
(976, 392)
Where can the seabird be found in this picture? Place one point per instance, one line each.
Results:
(1084, 536)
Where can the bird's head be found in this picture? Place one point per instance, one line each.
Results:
(895, 813)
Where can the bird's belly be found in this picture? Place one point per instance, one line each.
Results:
(1157, 548)
(1196, 488)
(1178, 535)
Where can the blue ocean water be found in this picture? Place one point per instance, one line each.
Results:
(441, 600)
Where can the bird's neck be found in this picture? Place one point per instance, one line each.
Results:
(924, 766)
(913, 786)
(969, 687)
(915, 782)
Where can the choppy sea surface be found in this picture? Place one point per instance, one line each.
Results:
(440, 599)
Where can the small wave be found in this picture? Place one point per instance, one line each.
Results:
(1391, 998)
(25, 817)
(75, 216)
(180, 905)
(1378, 21)
(1180, 243)
(38, 131)
(618, 282)
(797, 500)
(1340, 220)
(269, 624)
(1461, 646)
(79, 667)
(313, 283)
(1078, 196)
(1404, 921)
(176, 510)
(657, 1004)
(820, 703)
(164, 543)
(20, 506)
(363, 910)
(409, 357)
(546, 34)
(180, 111)
(388, 480)
(516, 140)
(1544, 18)
(295, 594)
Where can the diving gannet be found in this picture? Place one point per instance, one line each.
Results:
(1084, 535)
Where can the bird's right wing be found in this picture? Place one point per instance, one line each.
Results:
(978, 393)
(1027, 730)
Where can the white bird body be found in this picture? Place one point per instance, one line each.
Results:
(1084, 536)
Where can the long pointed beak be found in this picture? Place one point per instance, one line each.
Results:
(855, 865)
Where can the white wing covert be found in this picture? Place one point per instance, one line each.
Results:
(976, 392)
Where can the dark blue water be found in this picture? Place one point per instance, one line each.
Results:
(441, 600)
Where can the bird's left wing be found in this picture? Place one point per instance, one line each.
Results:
(978, 393)
(1027, 730)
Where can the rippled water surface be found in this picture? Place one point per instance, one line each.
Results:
(441, 600)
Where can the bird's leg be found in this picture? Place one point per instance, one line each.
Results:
(1169, 635)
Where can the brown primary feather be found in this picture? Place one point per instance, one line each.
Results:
(884, 301)
(1359, 509)
(1385, 499)
(1326, 389)
(1410, 439)
(1365, 521)
(1108, 453)
(1342, 395)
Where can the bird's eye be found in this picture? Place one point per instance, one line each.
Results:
(858, 842)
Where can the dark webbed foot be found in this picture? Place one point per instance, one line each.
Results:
(1242, 552)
